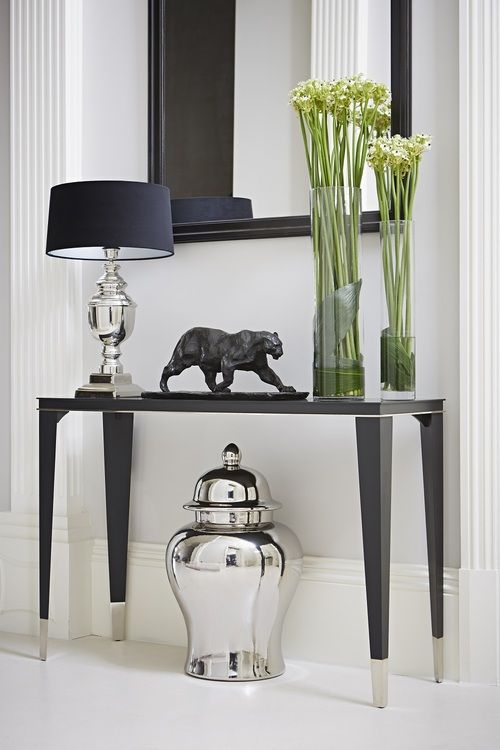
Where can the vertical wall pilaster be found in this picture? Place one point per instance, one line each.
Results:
(339, 38)
(46, 318)
(46, 295)
(480, 339)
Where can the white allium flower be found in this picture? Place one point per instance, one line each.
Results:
(398, 154)
(309, 95)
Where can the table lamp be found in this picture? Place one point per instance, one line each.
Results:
(110, 220)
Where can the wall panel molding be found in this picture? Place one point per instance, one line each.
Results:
(480, 339)
(339, 38)
(70, 595)
(46, 295)
(46, 317)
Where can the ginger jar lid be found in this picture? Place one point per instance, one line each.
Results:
(232, 486)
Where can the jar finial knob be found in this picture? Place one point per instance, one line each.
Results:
(231, 456)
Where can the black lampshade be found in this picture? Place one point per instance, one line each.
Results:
(211, 208)
(85, 217)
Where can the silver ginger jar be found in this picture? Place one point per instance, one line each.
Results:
(234, 572)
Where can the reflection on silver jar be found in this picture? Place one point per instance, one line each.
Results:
(234, 572)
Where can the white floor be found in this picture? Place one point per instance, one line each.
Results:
(93, 694)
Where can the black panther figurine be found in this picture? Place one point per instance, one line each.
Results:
(214, 351)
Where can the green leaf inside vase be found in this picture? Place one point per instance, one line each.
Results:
(337, 313)
(397, 361)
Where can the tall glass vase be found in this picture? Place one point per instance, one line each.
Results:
(335, 227)
(397, 340)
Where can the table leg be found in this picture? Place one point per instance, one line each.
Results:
(118, 435)
(374, 441)
(47, 434)
(431, 434)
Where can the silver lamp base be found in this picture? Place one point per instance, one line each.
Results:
(111, 315)
(116, 385)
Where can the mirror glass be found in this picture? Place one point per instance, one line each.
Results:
(272, 54)
(230, 65)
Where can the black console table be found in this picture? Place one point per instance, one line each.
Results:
(374, 444)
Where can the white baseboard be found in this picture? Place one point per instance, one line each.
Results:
(480, 626)
(326, 622)
(70, 592)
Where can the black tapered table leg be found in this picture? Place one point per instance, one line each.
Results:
(118, 431)
(431, 435)
(374, 441)
(47, 435)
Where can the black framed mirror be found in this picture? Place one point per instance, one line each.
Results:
(196, 40)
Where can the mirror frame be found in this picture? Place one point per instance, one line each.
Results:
(276, 226)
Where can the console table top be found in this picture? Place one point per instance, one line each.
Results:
(354, 407)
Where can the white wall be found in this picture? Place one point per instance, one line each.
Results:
(435, 110)
(309, 462)
(4, 256)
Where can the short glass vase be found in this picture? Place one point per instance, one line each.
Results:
(397, 339)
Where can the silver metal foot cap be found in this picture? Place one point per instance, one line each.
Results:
(380, 673)
(118, 621)
(44, 637)
(437, 648)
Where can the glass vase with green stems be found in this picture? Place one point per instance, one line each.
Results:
(397, 340)
(396, 165)
(338, 120)
(335, 224)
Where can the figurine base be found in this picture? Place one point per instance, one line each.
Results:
(231, 396)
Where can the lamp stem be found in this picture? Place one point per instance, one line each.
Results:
(111, 314)
(116, 313)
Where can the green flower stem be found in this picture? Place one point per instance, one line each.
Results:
(400, 249)
(328, 213)
(306, 146)
(347, 153)
(388, 273)
(408, 275)
(330, 250)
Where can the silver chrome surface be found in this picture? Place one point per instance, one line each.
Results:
(111, 316)
(118, 610)
(231, 455)
(232, 485)
(113, 386)
(380, 676)
(44, 637)
(239, 518)
(437, 649)
(233, 572)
